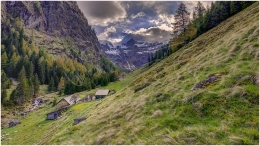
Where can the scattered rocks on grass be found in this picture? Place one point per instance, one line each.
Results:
(142, 87)
(255, 79)
(158, 95)
(206, 82)
(159, 69)
(156, 114)
(111, 92)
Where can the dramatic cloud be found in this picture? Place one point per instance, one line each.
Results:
(102, 12)
(110, 34)
(145, 21)
(140, 14)
(152, 34)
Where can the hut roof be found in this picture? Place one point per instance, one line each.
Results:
(15, 122)
(70, 100)
(102, 92)
(53, 112)
(82, 118)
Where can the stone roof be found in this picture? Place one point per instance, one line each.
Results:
(53, 112)
(102, 92)
(70, 100)
(82, 118)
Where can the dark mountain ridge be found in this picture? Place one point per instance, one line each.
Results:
(59, 27)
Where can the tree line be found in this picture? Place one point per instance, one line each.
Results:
(203, 20)
(32, 66)
(207, 18)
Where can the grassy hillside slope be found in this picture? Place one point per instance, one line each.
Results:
(168, 111)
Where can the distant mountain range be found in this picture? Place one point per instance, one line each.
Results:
(131, 54)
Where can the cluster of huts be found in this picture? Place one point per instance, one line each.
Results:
(68, 101)
(71, 100)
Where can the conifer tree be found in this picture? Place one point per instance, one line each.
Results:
(22, 74)
(181, 19)
(41, 71)
(30, 70)
(36, 85)
(116, 74)
(3, 79)
(54, 101)
(3, 96)
(47, 74)
(61, 86)
(235, 7)
(4, 59)
(200, 9)
(31, 88)
(51, 85)
(23, 90)
(13, 97)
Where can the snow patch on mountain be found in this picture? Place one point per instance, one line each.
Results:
(132, 53)
(112, 52)
(124, 47)
(105, 42)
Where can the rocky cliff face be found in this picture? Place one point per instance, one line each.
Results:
(58, 26)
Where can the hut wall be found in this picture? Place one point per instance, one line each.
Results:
(11, 124)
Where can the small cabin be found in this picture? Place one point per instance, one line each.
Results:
(12, 124)
(100, 94)
(88, 98)
(70, 100)
(53, 115)
(77, 120)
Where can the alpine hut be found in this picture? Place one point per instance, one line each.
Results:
(53, 115)
(70, 100)
(12, 123)
(77, 120)
(101, 94)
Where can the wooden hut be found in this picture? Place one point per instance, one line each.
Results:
(70, 100)
(53, 115)
(14, 123)
(77, 120)
(88, 98)
(101, 93)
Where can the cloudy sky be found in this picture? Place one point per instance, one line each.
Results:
(145, 21)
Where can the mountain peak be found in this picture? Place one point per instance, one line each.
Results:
(130, 43)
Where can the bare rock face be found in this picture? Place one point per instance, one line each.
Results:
(54, 19)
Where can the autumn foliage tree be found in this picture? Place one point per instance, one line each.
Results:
(61, 86)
